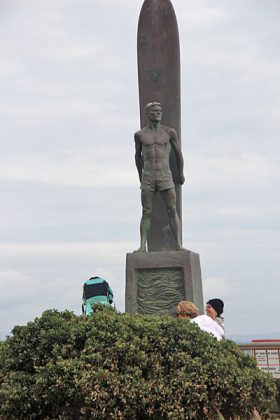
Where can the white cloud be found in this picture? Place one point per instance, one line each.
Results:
(8, 69)
(229, 171)
(221, 287)
(84, 168)
(69, 250)
(201, 16)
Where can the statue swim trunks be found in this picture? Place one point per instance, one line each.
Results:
(156, 179)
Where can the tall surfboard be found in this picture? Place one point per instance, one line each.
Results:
(158, 54)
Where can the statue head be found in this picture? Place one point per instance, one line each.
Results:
(153, 111)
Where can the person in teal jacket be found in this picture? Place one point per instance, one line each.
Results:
(96, 290)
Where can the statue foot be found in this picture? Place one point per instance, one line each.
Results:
(141, 249)
(179, 247)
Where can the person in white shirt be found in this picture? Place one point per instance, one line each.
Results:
(214, 308)
(208, 323)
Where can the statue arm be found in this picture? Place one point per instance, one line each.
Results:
(179, 156)
(138, 155)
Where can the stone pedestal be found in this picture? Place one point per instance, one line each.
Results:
(157, 281)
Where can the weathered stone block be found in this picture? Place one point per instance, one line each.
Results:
(157, 281)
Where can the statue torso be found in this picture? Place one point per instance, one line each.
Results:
(156, 147)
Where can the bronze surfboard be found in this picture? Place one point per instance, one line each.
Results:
(158, 55)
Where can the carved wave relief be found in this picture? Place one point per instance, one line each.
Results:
(159, 290)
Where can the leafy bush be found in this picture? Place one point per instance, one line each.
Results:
(119, 366)
(277, 381)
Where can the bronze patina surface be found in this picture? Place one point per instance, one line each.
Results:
(153, 147)
(156, 281)
(159, 80)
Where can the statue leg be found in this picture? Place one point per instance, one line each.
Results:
(147, 198)
(169, 198)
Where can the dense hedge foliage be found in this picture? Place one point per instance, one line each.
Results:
(118, 366)
(277, 381)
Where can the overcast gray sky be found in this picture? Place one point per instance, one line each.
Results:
(70, 200)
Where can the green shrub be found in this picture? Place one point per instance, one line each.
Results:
(277, 381)
(119, 366)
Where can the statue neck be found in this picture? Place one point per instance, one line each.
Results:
(154, 125)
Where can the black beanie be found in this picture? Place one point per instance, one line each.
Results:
(217, 304)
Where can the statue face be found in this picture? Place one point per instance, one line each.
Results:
(155, 113)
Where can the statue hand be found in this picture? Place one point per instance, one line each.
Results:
(182, 179)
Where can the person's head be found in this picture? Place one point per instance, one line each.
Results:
(186, 309)
(153, 111)
(214, 308)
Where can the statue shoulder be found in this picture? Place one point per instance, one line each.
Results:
(171, 131)
(139, 134)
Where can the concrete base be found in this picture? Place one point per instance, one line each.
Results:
(157, 281)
